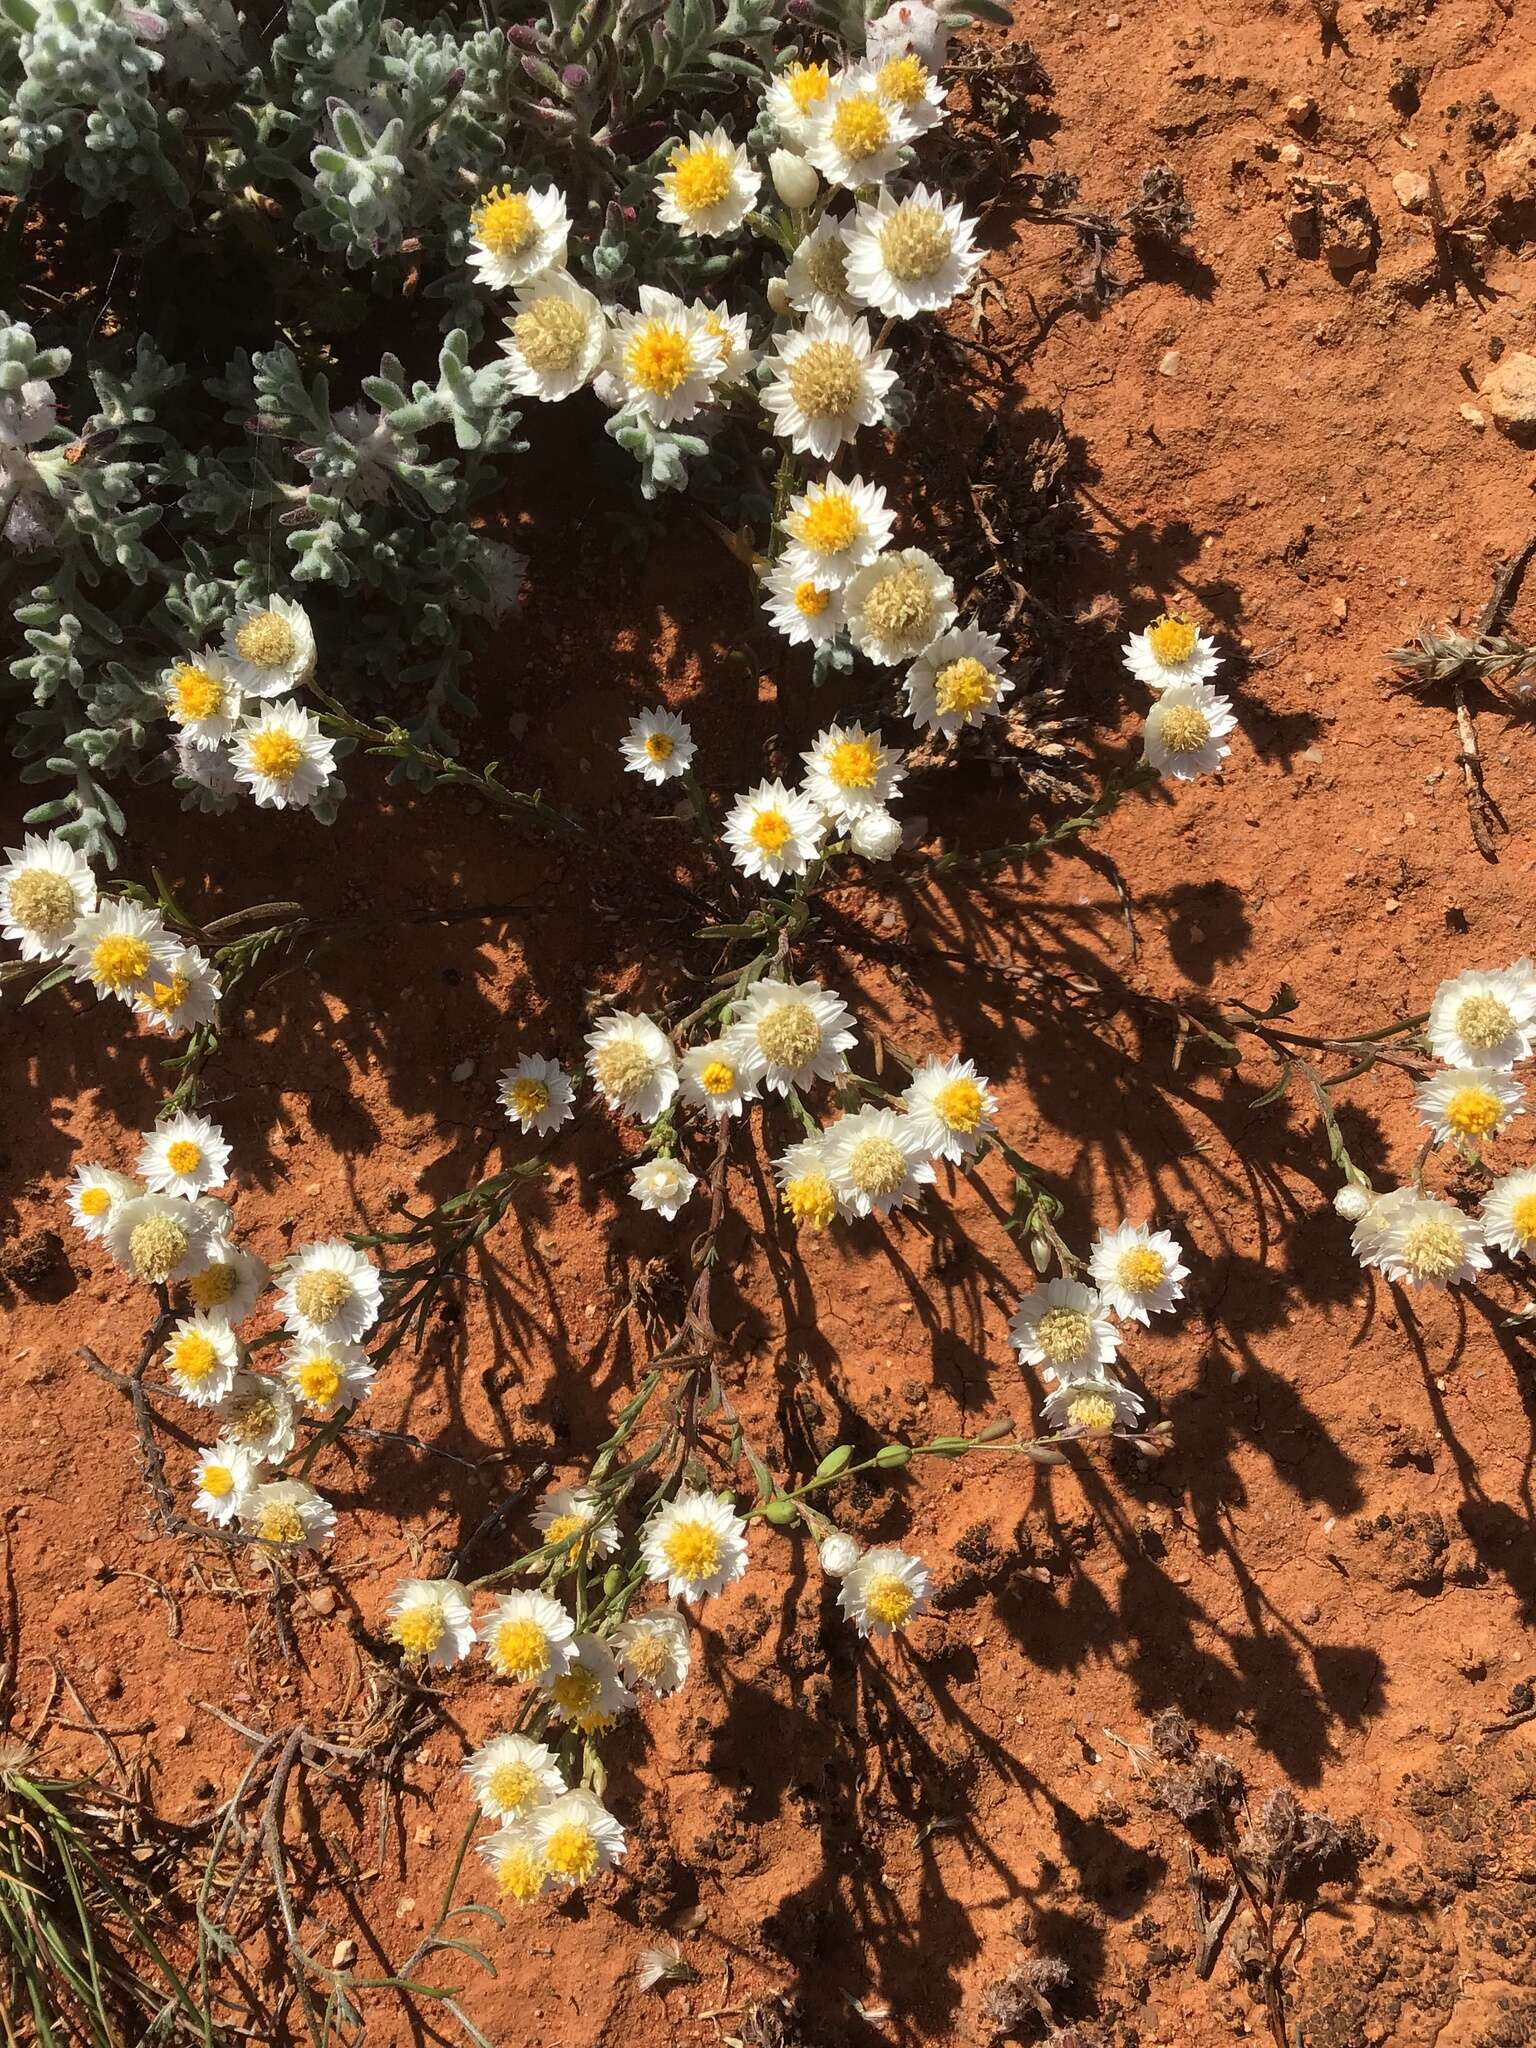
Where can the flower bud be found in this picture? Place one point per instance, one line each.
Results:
(575, 78)
(522, 35)
(794, 179)
(780, 1511)
(1351, 1202)
(875, 834)
(838, 1554)
(1040, 1253)
(777, 294)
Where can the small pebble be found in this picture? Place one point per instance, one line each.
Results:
(1170, 364)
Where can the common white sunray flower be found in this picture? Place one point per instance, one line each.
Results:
(849, 770)
(1420, 1241)
(430, 1622)
(95, 1194)
(838, 1553)
(816, 281)
(856, 137)
(202, 698)
(877, 835)
(908, 25)
(157, 1238)
(632, 1064)
(270, 648)
(1139, 1272)
(659, 745)
(516, 1859)
(282, 757)
(1468, 1103)
(511, 1775)
(662, 360)
(223, 1475)
(876, 1162)
(209, 771)
(826, 382)
(957, 681)
(183, 993)
(185, 1155)
(122, 949)
(258, 1413)
(788, 1034)
(288, 1515)
(653, 1649)
(904, 78)
(46, 887)
(713, 1079)
(579, 1837)
(732, 337)
(576, 1511)
(1092, 1403)
(662, 1185)
(883, 1591)
(836, 526)
(773, 831)
(536, 1093)
(696, 1546)
(515, 235)
(1186, 731)
(327, 1375)
(898, 605)
(1509, 1214)
(1171, 650)
(201, 1359)
(800, 605)
(1066, 1326)
(709, 186)
(951, 1108)
(330, 1291)
(557, 336)
(588, 1693)
(527, 1636)
(229, 1281)
(794, 94)
(805, 1186)
(910, 255)
(1483, 1019)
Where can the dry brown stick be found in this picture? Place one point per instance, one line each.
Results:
(1483, 813)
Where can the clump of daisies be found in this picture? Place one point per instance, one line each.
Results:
(1186, 734)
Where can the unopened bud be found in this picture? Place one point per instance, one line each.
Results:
(1040, 1253)
(838, 1554)
(575, 78)
(522, 35)
(794, 179)
(776, 292)
(1351, 1202)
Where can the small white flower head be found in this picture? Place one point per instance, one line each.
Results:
(805, 1186)
(229, 1281)
(527, 1636)
(588, 1692)
(907, 26)
(516, 235)
(827, 381)
(1352, 1201)
(202, 699)
(899, 605)
(816, 281)
(157, 1238)
(1484, 1020)
(957, 681)
(95, 1195)
(1139, 1272)
(1171, 650)
(575, 1511)
(1090, 1403)
(201, 1359)
(632, 1065)
(951, 1108)
(653, 1649)
(714, 1079)
(223, 1475)
(557, 336)
(327, 1375)
(181, 995)
(910, 255)
(709, 187)
(793, 96)
(658, 745)
(1186, 731)
(773, 831)
(794, 180)
(516, 1857)
(288, 1515)
(122, 949)
(1509, 1214)
(696, 1546)
(330, 1292)
(839, 1553)
(787, 1034)
(430, 1622)
(579, 1837)
(185, 1155)
(269, 648)
(876, 835)
(536, 1094)
(662, 360)
(884, 1591)
(907, 77)
(732, 338)
(282, 757)
(835, 527)
(856, 137)
(1468, 1104)
(800, 605)
(850, 771)
(662, 1185)
(46, 887)
(511, 1775)
(258, 1413)
(876, 1162)
(1420, 1241)
(1066, 1326)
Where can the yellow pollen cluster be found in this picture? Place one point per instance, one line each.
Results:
(647, 1655)
(853, 764)
(825, 379)
(578, 1693)
(95, 1202)
(1171, 639)
(658, 358)
(318, 1380)
(770, 831)
(827, 265)
(503, 222)
(550, 336)
(1185, 729)
(808, 84)
(512, 1787)
(194, 693)
(810, 1201)
(829, 525)
(660, 746)
(623, 1068)
(213, 1286)
(520, 1649)
(275, 754)
(521, 1872)
(419, 1629)
(877, 1166)
(266, 640)
(811, 600)
(1140, 1269)
(563, 1526)
(692, 1549)
(1064, 1335)
(119, 960)
(914, 243)
(529, 1097)
(1432, 1249)
(571, 1851)
(280, 1522)
(717, 1078)
(889, 1599)
(860, 127)
(789, 1034)
(254, 1420)
(903, 79)
(699, 178)
(900, 605)
(963, 686)
(167, 996)
(321, 1293)
(193, 1358)
(1473, 1112)
(218, 1482)
(42, 902)
(183, 1156)
(1483, 1022)
(960, 1105)
(1522, 1218)
(157, 1247)
(1091, 1411)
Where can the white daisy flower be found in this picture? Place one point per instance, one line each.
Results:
(910, 255)
(732, 339)
(653, 1649)
(557, 336)
(1171, 650)
(835, 527)
(183, 993)
(838, 1553)
(1066, 1326)
(282, 757)
(228, 1283)
(793, 96)
(1139, 1272)
(1509, 1214)
(536, 1093)
(816, 281)
(1468, 1103)
(258, 1414)
(95, 1195)
(856, 137)
(224, 1474)
(579, 1837)
(288, 1515)
(849, 771)
(906, 79)
(1484, 1019)
(429, 1621)
(957, 681)
(516, 235)
(805, 1187)
(588, 1693)
(772, 832)
(1186, 731)
(157, 1238)
(327, 1375)
(662, 360)
(827, 382)
(330, 1292)
(201, 1359)
(632, 1064)
(951, 1108)
(709, 187)
(659, 745)
(713, 1079)
(663, 1185)
(884, 1591)
(1420, 1241)
(898, 605)
(185, 1155)
(516, 1857)
(876, 835)
(1092, 1403)
(511, 1775)
(122, 949)
(876, 1162)
(202, 698)
(806, 610)
(46, 887)
(269, 648)
(527, 1636)
(569, 1511)
(787, 1034)
(696, 1546)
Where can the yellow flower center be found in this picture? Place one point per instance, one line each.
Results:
(700, 178)
(266, 640)
(877, 1165)
(167, 996)
(1091, 1411)
(1483, 1022)
(853, 764)
(321, 1293)
(660, 746)
(860, 127)
(811, 600)
(563, 1526)
(770, 831)
(571, 1851)
(658, 358)
(807, 85)
(419, 1629)
(623, 1068)
(512, 1786)
(550, 335)
(789, 1034)
(900, 606)
(825, 379)
(529, 1097)
(826, 264)
(218, 1482)
(319, 1380)
(193, 1358)
(521, 1872)
(1140, 1269)
(915, 243)
(577, 1694)
(692, 1549)
(1171, 639)
(280, 1522)
(717, 1078)
(903, 79)
(1522, 1218)
(1064, 1334)
(1473, 1112)
(42, 902)
(647, 1654)
(157, 1247)
(503, 222)
(829, 524)
(275, 754)
(183, 1156)
(213, 1286)
(1432, 1249)
(964, 686)
(960, 1105)
(255, 1420)
(810, 1201)
(1185, 729)
(119, 960)
(194, 693)
(95, 1202)
(889, 1599)
(520, 1648)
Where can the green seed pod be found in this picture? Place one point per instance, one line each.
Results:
(780, 1511)
(834, 1461)
(890, 1457)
